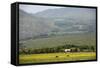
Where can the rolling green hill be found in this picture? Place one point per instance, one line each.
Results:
(83, 39)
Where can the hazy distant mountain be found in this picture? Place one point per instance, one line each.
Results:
(57, 21)
(71, 20)
(30, 25)
(67, 12)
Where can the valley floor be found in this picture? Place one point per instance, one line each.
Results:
(56, 57)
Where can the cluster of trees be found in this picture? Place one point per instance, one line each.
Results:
(74, 48)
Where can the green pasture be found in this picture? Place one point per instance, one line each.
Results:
(80, 40)
(56, 57)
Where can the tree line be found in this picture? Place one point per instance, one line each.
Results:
(57, 49)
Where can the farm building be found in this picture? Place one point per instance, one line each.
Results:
(72, 50)
(67, 50)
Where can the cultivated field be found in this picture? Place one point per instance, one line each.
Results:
(56, 57)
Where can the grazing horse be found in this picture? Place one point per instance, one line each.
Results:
(57, 56)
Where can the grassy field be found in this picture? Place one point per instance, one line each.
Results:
(84, 39)
(81, 40)
(56, 57)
